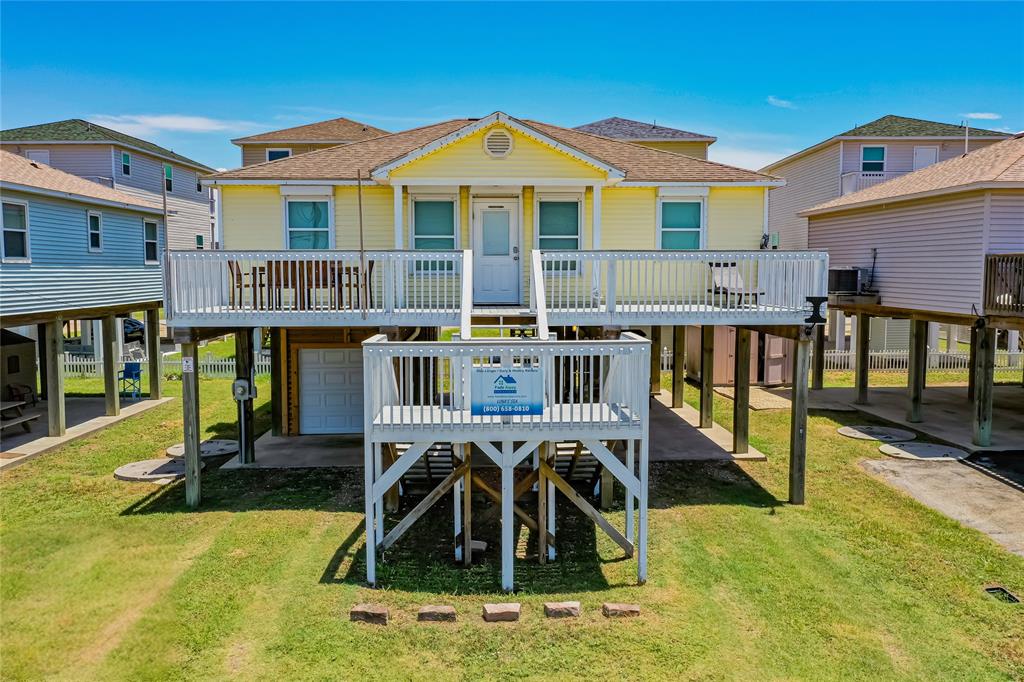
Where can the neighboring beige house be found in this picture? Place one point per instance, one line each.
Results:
(856, 159)
(944, 245)
(651, 135)
(280, 144)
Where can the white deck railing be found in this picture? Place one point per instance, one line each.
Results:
(858, 180)
(423, 390)
(315, 288)
(681, 287)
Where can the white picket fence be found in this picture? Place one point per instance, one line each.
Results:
(895, 360)
(209, 366)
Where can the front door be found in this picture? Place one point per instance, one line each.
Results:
(925, 156)
(496, 261)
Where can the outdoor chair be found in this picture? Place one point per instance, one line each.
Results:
(129, 381)
(22, 392)
(728, 281)
(240, 281)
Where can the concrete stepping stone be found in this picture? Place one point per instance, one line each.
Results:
(215, 447)
(886, 434)
(369, 613)
(930, 452)
(501, 613)
(562, 609)
(613, 610)
(435, 613)
(152, 471)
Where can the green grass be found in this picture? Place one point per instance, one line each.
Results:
(106, 580)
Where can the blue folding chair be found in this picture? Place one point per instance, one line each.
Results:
(130, 380)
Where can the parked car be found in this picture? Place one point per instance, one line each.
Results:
(134, 330)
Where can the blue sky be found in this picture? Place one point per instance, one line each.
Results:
(766, 78)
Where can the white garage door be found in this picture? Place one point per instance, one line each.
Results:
(331, 390)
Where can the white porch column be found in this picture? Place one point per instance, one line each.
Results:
(399, 209)
(840, 333)
(951, 338)
(596, 236)
(854, 319)
(1012, 345)
(933, 342)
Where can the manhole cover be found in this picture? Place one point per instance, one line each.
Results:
(932, 452)
(886, 434)
(216, 447)
(152, 470)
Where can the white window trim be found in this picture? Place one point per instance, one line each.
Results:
(156, 241)
(163, 177)
(330, 220)
(578, 197)
(703, 220)
(28, 245)
(129, 164)
(426, 196)
(200, 238)
(885, 158)
(88, 231)
(266, 153)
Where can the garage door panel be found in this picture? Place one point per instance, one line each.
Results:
(331, 390)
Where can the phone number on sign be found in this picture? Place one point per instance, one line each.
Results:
(506, 409)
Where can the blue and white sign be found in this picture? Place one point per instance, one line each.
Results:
(505, 391)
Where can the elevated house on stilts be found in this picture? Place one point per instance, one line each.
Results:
(579, 248)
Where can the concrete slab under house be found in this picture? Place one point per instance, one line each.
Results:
(558, 256)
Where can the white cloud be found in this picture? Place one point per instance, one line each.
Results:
(142, 125)
(984, 116)
(744, 157)
(780, 103)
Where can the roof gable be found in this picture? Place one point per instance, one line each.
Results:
(627, 129)
(339, 130)
(902, 126)
(77, 130)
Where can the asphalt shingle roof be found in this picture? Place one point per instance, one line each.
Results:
(999, 162)
(335, 130)
(639, 163)
(18, 170)
(901, 126)
(77, 130)
(627, 129)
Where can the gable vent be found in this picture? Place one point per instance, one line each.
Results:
(498, 143)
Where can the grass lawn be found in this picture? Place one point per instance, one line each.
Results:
(101, 579)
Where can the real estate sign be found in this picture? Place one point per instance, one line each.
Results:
(507, 391)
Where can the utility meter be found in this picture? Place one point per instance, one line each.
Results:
(243, 389)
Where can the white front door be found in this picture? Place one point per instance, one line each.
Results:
(331, 390)
(925, 156)
(496, 273)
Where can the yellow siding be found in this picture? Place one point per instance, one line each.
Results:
(695, 149)
(528, 240)
(467, 158)
(251, 218)
(378, 218)
(628, 218)
(464, 209)
(735, 217)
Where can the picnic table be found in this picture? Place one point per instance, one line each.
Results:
(11, 414)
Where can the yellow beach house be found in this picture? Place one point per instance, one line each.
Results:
(578, 248)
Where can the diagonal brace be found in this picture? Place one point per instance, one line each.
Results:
(586, 508)
(426, 503)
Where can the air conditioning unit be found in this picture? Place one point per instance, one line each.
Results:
(847, 281)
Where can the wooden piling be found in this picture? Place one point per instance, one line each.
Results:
(53, 377)
(862, 358)
(190, 413)
(153, 352)
(798, 421)
(983, 372)
(741, 393)
(678, 365)
(707, 375)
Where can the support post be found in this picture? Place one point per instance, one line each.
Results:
(276, 382)
(798, 421)
(707, 375)
(656, 346)
(244, 361)
(917, 366)
(153, 352)
(862, 350)
(840, 331)
(53, 375)
(542, 507)
(983, 370)
(818, 374)
(607, 488)
(190, 413)
(507, 519)
(678, 365)
(41, 336)
(467, 506)
(972, 362)
(741, 394)
(111, 356)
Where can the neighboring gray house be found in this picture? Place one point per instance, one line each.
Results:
(864, 156)
(280, 144)
(128, 164)
(651, 135)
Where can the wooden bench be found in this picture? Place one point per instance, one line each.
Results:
(24, 420)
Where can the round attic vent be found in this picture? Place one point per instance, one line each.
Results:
(498, 143)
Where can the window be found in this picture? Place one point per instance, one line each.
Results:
(95, 224)
(558, 229)
(15, 228)
(38, 155)
(150, 239)
(308, 224)
(126, 163)
(680, 224)
(168, 178)
(13, 364)
(872, 159)
(199, 242)
(433, 229)
(275, 154)
(199, 182)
